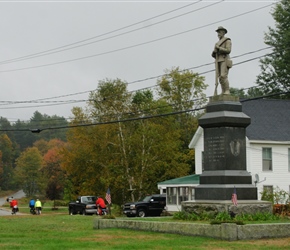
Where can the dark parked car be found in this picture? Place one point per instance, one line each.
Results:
(83, 205)
(151, 205)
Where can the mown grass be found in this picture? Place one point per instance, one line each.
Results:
(62, 231)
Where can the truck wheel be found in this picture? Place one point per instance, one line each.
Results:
(141, 213)
(71, 211)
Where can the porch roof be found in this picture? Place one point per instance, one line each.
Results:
(189, 179)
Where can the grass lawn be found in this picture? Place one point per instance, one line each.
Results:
(58, 230)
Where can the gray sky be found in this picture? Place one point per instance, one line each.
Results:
(152, 42)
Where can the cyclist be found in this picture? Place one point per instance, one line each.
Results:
(38, 206)
(32, 206)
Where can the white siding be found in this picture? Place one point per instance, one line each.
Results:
(198, 155)
(279, 176)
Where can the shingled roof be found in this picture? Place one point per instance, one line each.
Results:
(270, 119)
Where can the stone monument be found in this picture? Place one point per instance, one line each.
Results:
(225, 163)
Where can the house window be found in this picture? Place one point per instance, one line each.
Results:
(267, 159)
(171, 195)
(183, 194)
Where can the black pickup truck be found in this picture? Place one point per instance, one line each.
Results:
(151, 205)
(83, 205)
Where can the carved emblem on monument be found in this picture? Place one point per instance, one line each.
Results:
(235, 147)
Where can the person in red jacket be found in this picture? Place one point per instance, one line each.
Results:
(14, 206)
(100, 205)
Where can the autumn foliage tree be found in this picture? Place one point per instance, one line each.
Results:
(129, 142)
(53, 170)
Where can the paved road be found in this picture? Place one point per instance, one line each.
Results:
(6, 211)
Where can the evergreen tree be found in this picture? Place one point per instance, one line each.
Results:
(275, 70)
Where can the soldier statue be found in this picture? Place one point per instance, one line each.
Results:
(223, 62)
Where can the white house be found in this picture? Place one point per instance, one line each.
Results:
(267, 144)
(267, 150)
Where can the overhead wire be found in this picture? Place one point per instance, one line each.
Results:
(38, 130)
(70, 101)
(62, 48)
(53, 103)
(135, 45)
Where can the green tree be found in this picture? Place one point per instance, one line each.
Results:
(39, 121)
(6, 162)
(275, 71)
(28, 171)
(130, 157)
(251, 93)
(238, 92)
(183, 90)
(82, 158)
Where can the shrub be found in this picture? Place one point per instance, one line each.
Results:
(278, 196)
(185, 216)
(257, 217)
(223, 216)
(226, 217)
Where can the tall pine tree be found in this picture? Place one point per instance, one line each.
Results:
(275, 69)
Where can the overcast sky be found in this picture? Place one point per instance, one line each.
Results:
(129, 40)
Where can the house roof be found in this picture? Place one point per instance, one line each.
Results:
(189, 179)
(270, 119)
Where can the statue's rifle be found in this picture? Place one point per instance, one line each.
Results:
(216, 75)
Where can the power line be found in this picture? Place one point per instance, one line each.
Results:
(64, 47)
(136, 45)
(38, 130)
(54, 103)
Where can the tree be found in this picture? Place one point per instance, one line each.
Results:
(131, 157)
(183, 90)
(54, 172)
(6, 162)
(28, 171)
(275, 70)
(251, 93)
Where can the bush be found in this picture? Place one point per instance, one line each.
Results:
(257, 217)
(278, 196)
(185, 216)
(225, 217)
(60, 203)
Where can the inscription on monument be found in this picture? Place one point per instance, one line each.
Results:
(216, 148)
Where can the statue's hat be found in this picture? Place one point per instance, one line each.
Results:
(221, 28)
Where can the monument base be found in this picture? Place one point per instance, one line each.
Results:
(214, 207)
(225, 191)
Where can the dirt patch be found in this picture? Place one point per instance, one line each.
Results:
(282, 242)
(107, 237)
